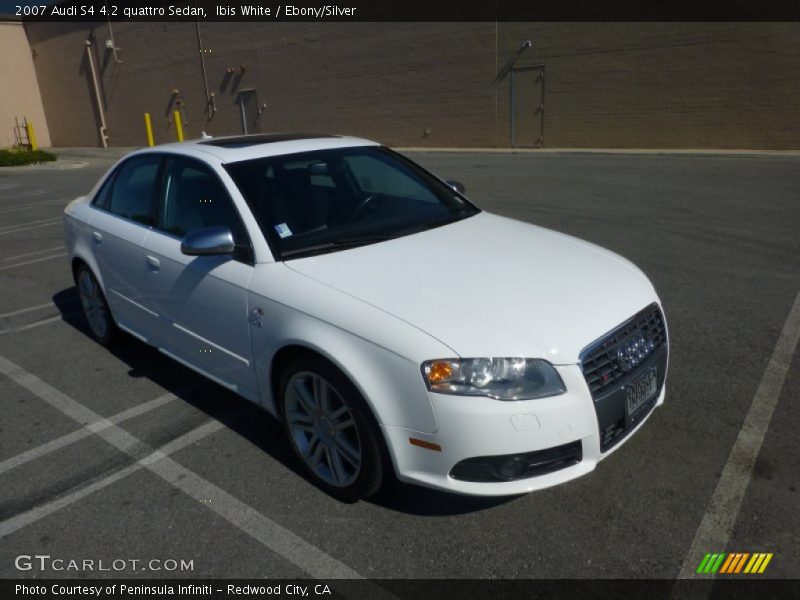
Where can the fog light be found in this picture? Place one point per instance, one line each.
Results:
(512, 469)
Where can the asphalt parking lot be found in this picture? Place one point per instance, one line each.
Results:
(718, 235)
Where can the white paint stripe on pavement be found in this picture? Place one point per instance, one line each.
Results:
(24, 519)
(22, 311)
(45, 251)
(280, 540)
(84, 432)
(57, 222)
(32, 205)
(39, 323)
(26, 223)
(719, 520)
(34, 260)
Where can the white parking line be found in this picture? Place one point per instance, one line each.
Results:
(84, 432)
(33, 260)
(16, 225)
(39, 323)
(719, 520)
(22, 311)
(32, 205)
(27, 254)
(23, 519)
(55, 222)
(26, 194)
(280, 540)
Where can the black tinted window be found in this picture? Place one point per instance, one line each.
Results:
(326, 200)
(104, 195)
(133, 189)
(194, 198)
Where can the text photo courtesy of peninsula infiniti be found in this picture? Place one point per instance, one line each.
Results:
(391, 325)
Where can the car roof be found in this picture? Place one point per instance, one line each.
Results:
(229, 149)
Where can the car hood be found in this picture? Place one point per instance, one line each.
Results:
(492, 286)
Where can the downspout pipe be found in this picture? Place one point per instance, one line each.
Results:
(211, 105)
(96, 88)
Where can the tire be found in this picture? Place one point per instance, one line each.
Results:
(331, 429)
(95, 307)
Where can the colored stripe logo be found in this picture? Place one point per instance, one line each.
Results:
(734, 563)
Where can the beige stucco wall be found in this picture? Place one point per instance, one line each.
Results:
(19, 88)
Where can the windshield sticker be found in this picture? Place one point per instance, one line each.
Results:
(283, 230)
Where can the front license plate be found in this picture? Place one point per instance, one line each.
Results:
(641, 389)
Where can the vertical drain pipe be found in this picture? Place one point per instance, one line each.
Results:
(102, 128)
(211, 105)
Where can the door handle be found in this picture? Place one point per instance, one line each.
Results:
(153, 262)
(98, 237)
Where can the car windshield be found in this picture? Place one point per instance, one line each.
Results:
(328, 200)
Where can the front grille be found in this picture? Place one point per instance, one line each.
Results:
(599, 362)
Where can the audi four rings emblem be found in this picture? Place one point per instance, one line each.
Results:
(634, 351)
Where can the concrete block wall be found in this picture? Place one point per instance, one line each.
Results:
(663, 85)
(638, 85)
(389, 82)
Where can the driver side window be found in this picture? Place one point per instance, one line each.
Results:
(192, 197)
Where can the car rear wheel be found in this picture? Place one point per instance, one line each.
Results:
(330, 429)
(95, 307)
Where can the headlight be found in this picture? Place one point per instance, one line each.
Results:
(500, 378)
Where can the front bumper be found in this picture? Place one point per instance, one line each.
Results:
(473, 427)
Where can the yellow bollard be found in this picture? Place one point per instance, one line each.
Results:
(31, 135)
(148, 129)
(176, 116)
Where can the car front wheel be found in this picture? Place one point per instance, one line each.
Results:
(330, 429)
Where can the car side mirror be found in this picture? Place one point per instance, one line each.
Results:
(210, 241)
(457, 186)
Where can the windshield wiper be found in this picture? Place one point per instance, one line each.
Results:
(350, 242)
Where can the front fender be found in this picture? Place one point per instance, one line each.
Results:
(379, 353)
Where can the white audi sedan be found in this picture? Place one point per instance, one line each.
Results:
(389, 323)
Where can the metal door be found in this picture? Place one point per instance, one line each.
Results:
(527, 106)
(250, 111)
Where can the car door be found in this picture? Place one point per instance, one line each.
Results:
(201, 301)
(118, 227)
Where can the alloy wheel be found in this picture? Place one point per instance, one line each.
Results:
(94, 305)
(323, 429)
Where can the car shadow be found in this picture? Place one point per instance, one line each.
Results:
(255, 424)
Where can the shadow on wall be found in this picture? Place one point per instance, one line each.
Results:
(233, 78)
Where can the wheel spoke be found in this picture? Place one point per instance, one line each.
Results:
(307, 427)
(349, 453)
(304, 397)
(314, 450)
(342, 425)
(335, 463)
(297, 416)
(342, 410)
(321, 394)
